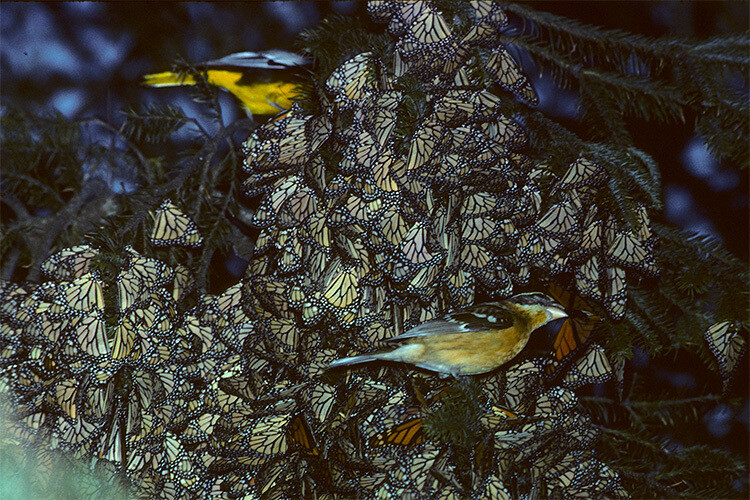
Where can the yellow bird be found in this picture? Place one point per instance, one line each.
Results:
(475, 340)
(259, 79)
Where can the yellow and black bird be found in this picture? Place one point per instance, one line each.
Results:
(263, 81)
(471, 341)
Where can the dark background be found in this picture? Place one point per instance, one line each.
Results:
(85, 60)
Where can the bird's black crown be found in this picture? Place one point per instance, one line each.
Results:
(535, 298)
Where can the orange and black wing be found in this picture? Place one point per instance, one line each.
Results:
(576, 331)
(300, 433)
(408, 433)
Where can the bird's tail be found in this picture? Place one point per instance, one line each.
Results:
(354, 360)
(167, 79)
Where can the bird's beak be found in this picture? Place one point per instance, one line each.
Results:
(556, 313)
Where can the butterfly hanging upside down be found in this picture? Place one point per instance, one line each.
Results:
(475, 340)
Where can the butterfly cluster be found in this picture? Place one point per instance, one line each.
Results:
(373, 221)
(521, 425)
(104, 364)
(385, 208)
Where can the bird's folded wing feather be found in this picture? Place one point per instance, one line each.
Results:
(271, 59)
(476, 319)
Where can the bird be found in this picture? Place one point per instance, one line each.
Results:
(471, 341)
(263, 81)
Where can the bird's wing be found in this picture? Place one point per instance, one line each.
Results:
(477, 318)
(270, 59)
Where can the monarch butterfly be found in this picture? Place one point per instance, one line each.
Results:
(124, 338)
(285, 188)
(580, 173)
(727, 343)
(183, 282)
(414, 244)
(259, 183)
(508, 74)
(285, 332)
(265, 153)
(342, 287)
(358, 208)
(423, 466)
(172, 447)
(615, 292)
(322, 398)
(485, 103)
(477, 228)
(269, 434)
(70, 263)
(505, 132)
(497, 416)
(274, 295)
(430, 28)
(426, 139)
(461, 287)
(194, 330)
(626, 249)
(479, 203)
(316, 261)
(300, 433)
(143, 388)
(49, 326)
(450, 108)
(172, 227)
(384, 118)
(293, 148)
(317, 230)
(587, 278)
(353, 79)
(569, 473)
(302, 204)
(65, 394)
(356, 252)
(393, 226)
(361, 155)
(592, 236)
(317, 131)
(150, 272)
(554, 402)
(561, 218)
(84, 293)
(230, 299)
(644, 231)
(493, 487)
(111, 445)
(76, 432)
(488, 13)
(591, 368)
(577, 328)
(409, 433)
(476, 257)
(425, 278)
(520, 382)
(91, 333)
(382, 173)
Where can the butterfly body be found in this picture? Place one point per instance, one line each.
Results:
(475, 340)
